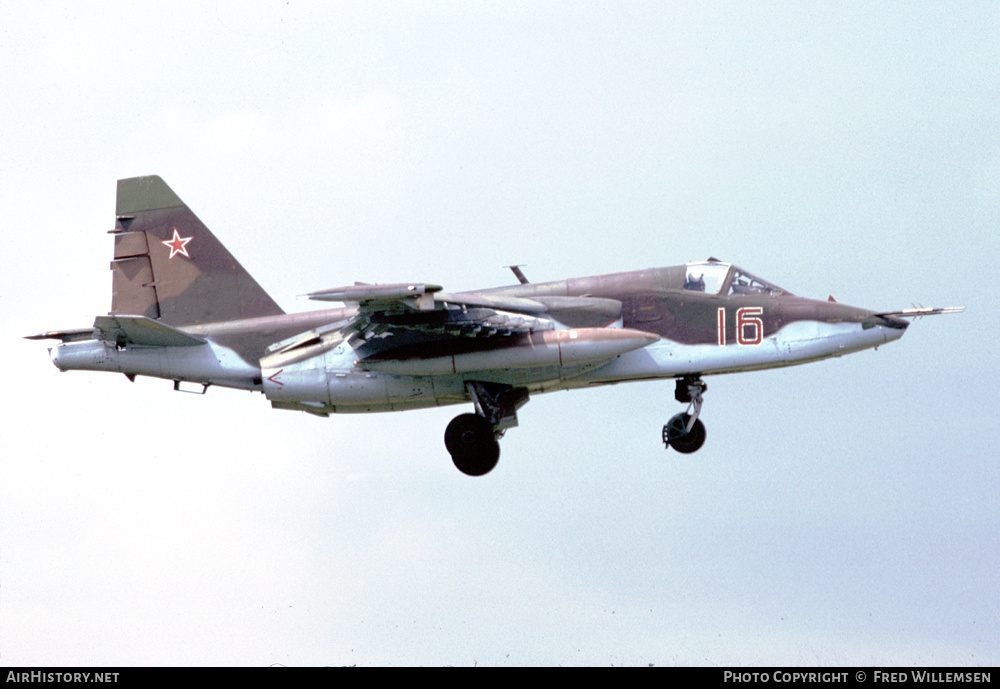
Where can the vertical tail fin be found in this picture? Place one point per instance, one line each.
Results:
(169, 266)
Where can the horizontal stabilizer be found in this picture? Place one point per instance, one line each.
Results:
(140, 330)
(64, 335)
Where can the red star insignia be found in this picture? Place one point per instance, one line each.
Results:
(178, 244)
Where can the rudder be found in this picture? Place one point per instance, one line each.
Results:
(169, 266)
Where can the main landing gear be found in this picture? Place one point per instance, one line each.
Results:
(472, 439)
(685, 432)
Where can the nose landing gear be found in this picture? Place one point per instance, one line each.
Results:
(685, 432)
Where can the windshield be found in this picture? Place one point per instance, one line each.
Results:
(746, 283)
(711, 276)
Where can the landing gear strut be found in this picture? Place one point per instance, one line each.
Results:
(471, 439)
(685, 432)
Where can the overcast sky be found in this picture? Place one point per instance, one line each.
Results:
(842, 512)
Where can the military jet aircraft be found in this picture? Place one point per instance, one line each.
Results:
(183, 309)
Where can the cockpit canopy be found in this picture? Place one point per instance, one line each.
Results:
(712, 277)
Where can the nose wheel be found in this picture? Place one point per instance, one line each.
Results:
(677, 435)
(685, 432)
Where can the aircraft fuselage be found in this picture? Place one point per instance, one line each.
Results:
(184, 309)
(698, 334)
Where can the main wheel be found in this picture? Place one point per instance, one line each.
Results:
(675, 436)
(470, 441)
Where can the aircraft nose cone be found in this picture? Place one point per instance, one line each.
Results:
(892, 327)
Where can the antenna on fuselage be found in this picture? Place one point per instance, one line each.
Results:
(518, 274)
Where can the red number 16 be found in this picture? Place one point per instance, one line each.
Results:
(749, 326)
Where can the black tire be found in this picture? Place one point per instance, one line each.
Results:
(685, 443)
(471, 443)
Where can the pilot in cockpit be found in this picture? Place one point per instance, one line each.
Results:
(696, 285)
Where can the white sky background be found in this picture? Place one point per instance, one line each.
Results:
(842, 512)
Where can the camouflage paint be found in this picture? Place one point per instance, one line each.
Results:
(183, 308)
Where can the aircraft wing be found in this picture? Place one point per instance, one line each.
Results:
(412, 310)
(426, 308)
(397, 316)
(422, 297)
